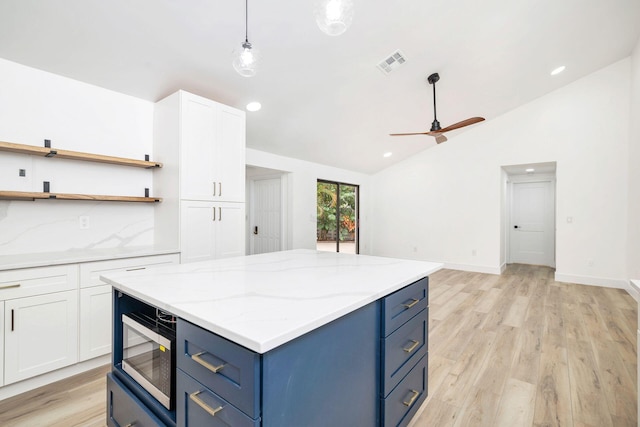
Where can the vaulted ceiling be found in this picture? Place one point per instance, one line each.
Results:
(324, 100)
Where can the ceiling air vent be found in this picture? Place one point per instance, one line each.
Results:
(394, 60)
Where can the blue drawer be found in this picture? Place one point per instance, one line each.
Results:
(197, 406)
(125, 409)
(403, 349)
(405, 400)
(402, 305)
(228, 369)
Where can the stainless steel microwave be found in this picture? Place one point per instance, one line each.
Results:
(149, 354)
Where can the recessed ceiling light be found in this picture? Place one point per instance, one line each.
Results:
(558, 70)
(387, 154)
(254, 106)
(529, 170)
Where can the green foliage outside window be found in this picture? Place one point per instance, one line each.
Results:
(327, 203)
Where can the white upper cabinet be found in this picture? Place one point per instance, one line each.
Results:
(201, 144)
(200, 131)
(212, 150)
(230, 170)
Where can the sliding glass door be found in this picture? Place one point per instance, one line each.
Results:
(337, 228)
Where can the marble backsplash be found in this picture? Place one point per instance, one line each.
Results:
(28, 227)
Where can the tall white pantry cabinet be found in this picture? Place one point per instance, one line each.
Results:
(201, 144)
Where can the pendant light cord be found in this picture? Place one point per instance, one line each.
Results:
(246, 21)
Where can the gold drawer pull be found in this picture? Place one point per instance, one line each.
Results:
(413, 398)
(17, 285)
(412, 303)
(206, 364)
(413, 346)
(194, 396)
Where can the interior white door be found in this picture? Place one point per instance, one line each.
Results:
(267, 207)
(532, 231)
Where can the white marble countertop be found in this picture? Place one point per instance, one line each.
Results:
(44, 259)
(636, 285)
(263, 301)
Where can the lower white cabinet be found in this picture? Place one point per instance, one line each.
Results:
(96, 303)
(41, 334)
(52, 317)
(211, 230)
(95, 321)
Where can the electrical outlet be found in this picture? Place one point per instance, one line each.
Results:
(83, 221)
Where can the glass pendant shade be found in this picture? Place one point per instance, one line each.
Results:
(245, 60)
(333, 16)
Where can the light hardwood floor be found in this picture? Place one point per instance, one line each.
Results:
(512, 350)
(523, 350)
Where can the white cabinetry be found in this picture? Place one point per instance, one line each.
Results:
(201, 144)
(96, 300)
(211, 230)
(40, 320)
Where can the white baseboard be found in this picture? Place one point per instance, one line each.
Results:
(594, 281)
(503, 267)
(634, 290)
(50, 377)
(474, 268)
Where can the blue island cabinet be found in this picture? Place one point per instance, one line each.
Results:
(367, 368)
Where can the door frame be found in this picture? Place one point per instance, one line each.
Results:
(284, 243)
(513, 179)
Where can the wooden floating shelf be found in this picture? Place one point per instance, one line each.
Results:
(76, 155)
(27, 195)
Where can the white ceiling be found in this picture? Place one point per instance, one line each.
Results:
(323, 98)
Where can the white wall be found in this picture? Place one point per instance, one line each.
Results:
(633, 258)
(445, 202)
(301, 179)
(35, 105)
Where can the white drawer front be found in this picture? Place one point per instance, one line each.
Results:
(37, 281)
(90, 271)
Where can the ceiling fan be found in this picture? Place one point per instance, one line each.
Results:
(436, 130)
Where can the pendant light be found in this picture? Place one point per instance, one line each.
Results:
(333, 16)
(245, 59)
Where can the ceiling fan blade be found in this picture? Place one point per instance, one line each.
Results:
(440, 139)
(471, 121)
(405, 134)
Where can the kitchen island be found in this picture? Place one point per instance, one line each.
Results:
(295, 338)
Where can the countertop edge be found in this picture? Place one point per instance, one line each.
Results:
(46, 259)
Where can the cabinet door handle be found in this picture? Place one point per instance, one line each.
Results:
(198, 359)
(220, 189)
(412, 399)
(136, 269)
(412, 347)
(219, 214)
(214, 188)
(12, 323)
(214, 213)
(412, 303)
(194, 396)
(15, 285)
